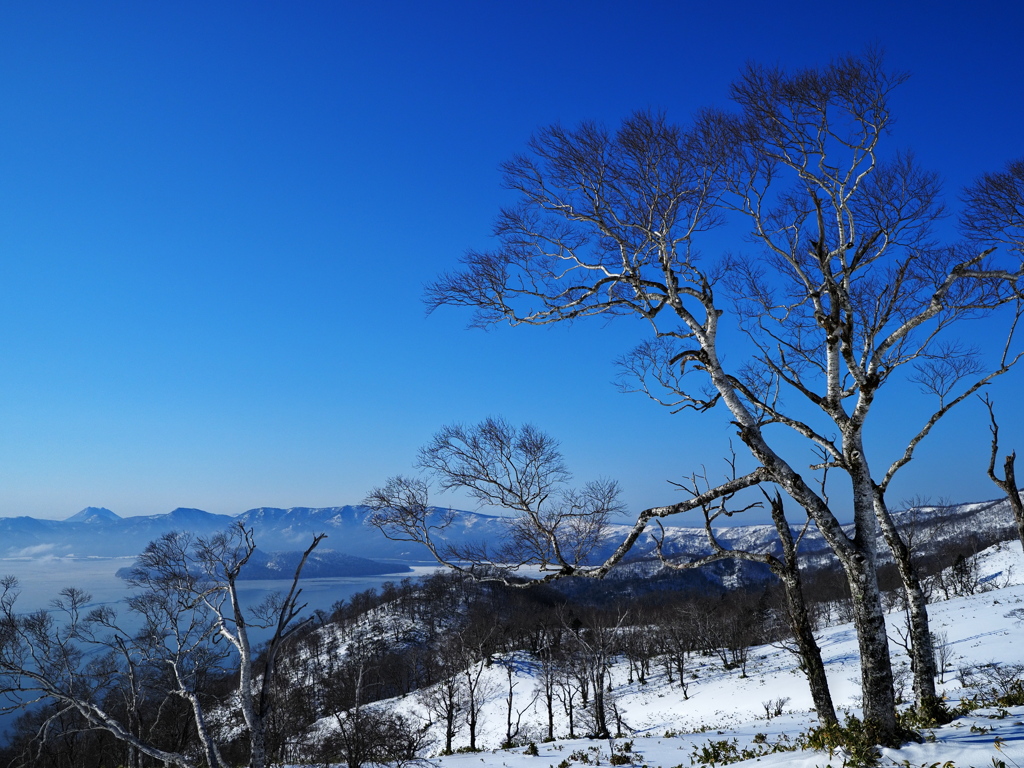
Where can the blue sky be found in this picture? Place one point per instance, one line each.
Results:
(216, 220)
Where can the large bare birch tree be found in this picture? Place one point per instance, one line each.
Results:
(836, 278)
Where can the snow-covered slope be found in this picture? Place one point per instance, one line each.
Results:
(667, 729)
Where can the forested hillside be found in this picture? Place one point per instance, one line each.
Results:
(426, 667)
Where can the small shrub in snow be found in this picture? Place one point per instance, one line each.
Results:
(774, 707)
(588, 756)
(724, 752)
(853, 739)
(622, 754)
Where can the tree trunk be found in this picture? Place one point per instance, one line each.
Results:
(810, 653)
(600, 716)
(509, 701)
(879, 699)
(800, 621)
(208, 745)
(1009, 485)
(258, 752)
(570, 711)
(862, 574)
(449, 730)
(246, 679)
(922, 650)
(858, 559)
(549, 696)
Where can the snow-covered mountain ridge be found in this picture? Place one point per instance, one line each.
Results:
(932, 527)
(98, 532)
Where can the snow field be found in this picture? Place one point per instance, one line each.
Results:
(666, 728)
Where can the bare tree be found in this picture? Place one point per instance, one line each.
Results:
(512, 729)
(478, 689)
(943, 654)
(848, 289)
(193, 628)
(547, 682)
(570, 686)
(446, 699)
(905, 541)
(640, 644)
(593, 639)
(369, 736)
(787, 569)
(994, 208)
(520, 469)
(1008, 483)
(679, 641)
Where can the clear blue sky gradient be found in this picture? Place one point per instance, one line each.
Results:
(216, 221)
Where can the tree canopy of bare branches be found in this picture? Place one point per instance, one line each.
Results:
(555, 527)
(838, 282)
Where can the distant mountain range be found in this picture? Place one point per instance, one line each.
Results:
(99, 532)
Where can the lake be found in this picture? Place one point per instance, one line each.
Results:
(42, 579)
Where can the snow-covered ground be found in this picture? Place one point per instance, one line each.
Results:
(667, 729)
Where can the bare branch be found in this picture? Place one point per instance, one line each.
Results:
(1008, 483)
